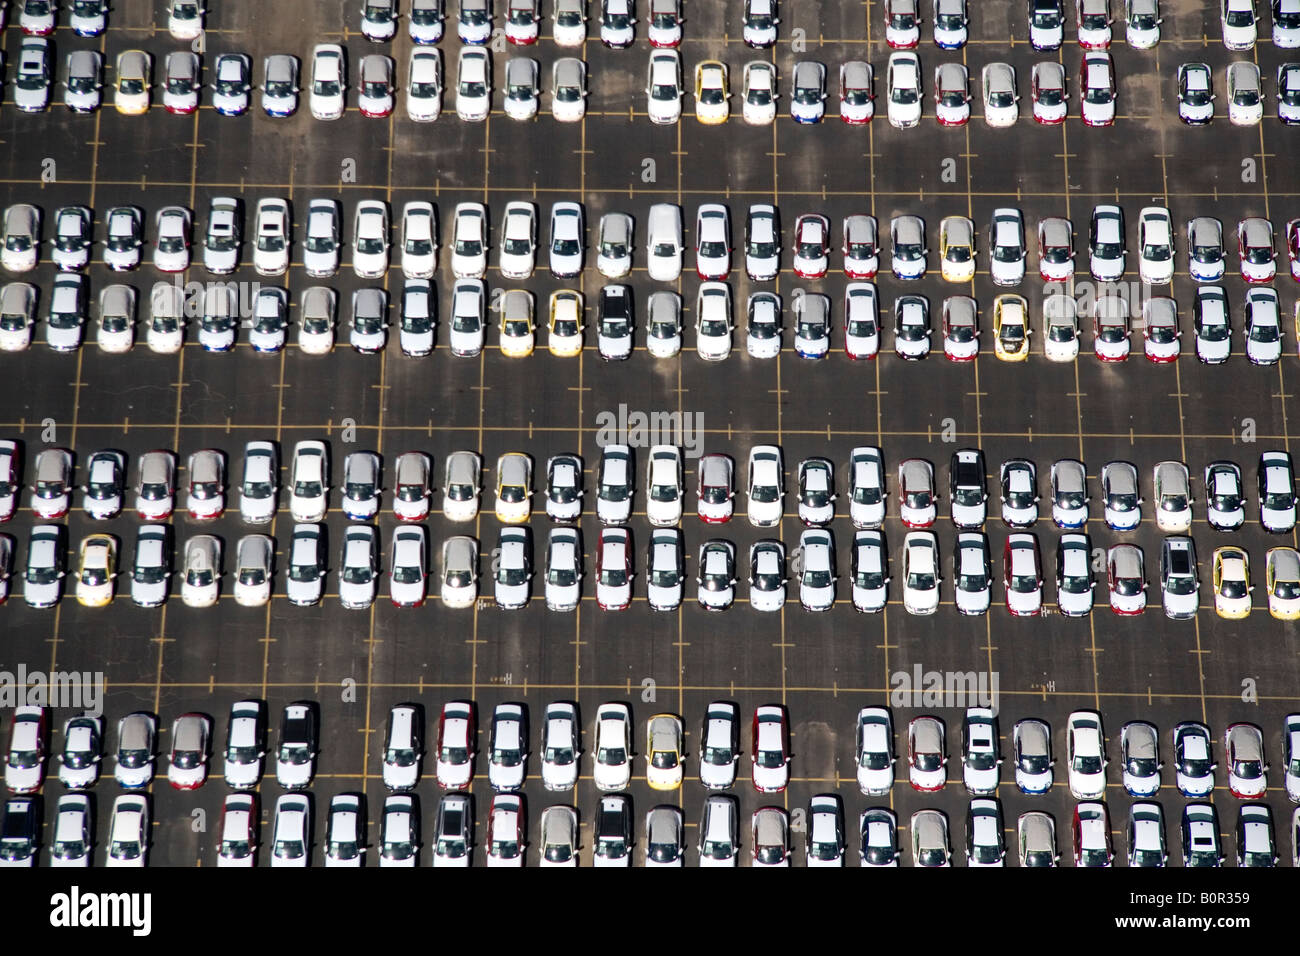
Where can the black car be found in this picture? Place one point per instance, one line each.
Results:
(614, 830)
(19, 831)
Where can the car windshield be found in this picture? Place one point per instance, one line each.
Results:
(512, 576)
(1246, 96)
(869, 579)
(812, 329)
(1233, 588)
(507, 757)
(958, 252)
(463, 322)
(906, 95)
(1225, 499)
(472, 89)
(973, 583)
(1098, 95)
(949, 21)
(558, 852)
(920, 581)
(808, 95)
(407, 574)
(762, 96)
(664, 91)
(321, 242)
(1034, 763)
(614, 492)
(505, 849)
(1001, 99)
(816, 579)
(562, 577)
(1264, 332)
(1024, 583)
(416, 323)
(1195, 767)
(769, 759)
(230, 87)
(565, 247)
(1142, 766)
(613, 577)
(1197, 97)
(713, 328)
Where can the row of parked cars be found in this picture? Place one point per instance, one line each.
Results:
(612, 756)
(614, 843)
(220, 315)
(812, 564)
(760, 252)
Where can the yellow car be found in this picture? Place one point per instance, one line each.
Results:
(957, 249)
(1282, 578)
(514, 488)
(517, 331)
(663, 752)
(132, 83)
(565, 339)
(1011, 327)
(1231, 583)
(98, 570)
(712, 99)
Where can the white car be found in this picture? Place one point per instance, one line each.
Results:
(614, 570)
(808, 95)
(972, 573)
(712, 242)
(469, 241)
(713, 321)
(1263, 327)
(665, 28)
(902, 24)
(664, 242)
(1031, 743)
(617, 23)
(417, 316)
(762, 242)
(766, 486)
(123, 239)
(1243, 746)
(1106, 243)
(818, 577)
(951, 24)
(128, 832)
(291, 831)
(407, 573)
(309, 481)
(72, 238)
(221, 241)
(1048, 93)
(912, 327)
(473, 22)
(767, 576)
(1061, 332)
(758, 95)
(1007, 247)
(1156, 245)
(903, 78)
(1022, 575)
(473, 84)
(1194, 763)
(134, 765)
(1195, 94)
(664, 485)
(665, 569)
(1240, 22)
(568, 89)
(370, 239)
(522, 88)
(567, 241)
(563, 572)
(1094, 22)
(81, 758)
(614, 245)
(201, 571)
(1277, 498)
(612, 752)
(505, 831)
(921, 575)
(770, 770)
(419, 238)
(663, 324)
(1291, 756)
(979, 747)
(232, 84)
(869, 566)
(271, 233)
(569, 23)
(259, 489)
(664, 87)
(185, 19)
(359, 567)
(25, 761)
(866, 481)
(459, 572)
(1097, 89)
(461, 486)
(1019, 483)
(1142, 23)
(83, 81)
(518, 240)
(1086, 755)
(1001, 101)
(560, 746)
(1245, 94)
(1119, 489)
(716, 579)
(861, 320)
(1179, 581)
(71, 828)
(329, 81)
(908, 250)
(280, 85)
(456, 745)
(424, 85)
(875, 751)
(1140, 756)
(507, 747)
(857, 92)
(254, 565)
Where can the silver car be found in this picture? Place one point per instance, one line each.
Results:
(32, 82)
(369, 320)
(280, 85)
(559, 837)
(83, 81)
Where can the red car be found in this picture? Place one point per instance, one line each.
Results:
(812, 246)
(771, 750)
(717, 489)
(1293, 247)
